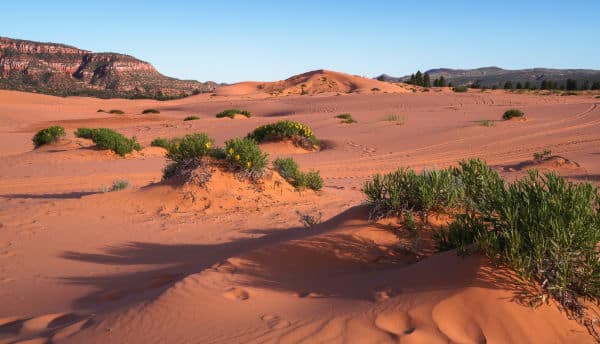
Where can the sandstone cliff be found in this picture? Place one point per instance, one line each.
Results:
(63, 70)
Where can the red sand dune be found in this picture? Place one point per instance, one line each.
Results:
(156, 263)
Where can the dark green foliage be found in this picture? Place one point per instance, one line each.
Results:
(48, 135)
(232, 112)
(426, 80)
(283, 130)
(84, 133)
(246, 157)
(160, 142)
(571, 85)
(106, 138)
(119, 184)
(512, 113)
(508, 85)
(218, 153)
(147, 111)
(191, 118)
(288, 169)
(440, 82)
(460, 89)
(116, 112)
(346, 118)
(189, 147)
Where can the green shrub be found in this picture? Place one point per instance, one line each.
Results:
(283, 130)
(191, 118)
(546, 229)
(106, 138)
(487, 123)
(160, 142)
(539, 156)
(288, 169)
(147, 111)
(245, 156)
(232, 112)
(116, 112)
(84, 133)
(512, 113)
(346, 118)
(189, 147)
(460, 89)
(119, 184)
(48, 135)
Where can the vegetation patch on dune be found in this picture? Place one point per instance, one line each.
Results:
(150, 111)
(116, 112)
(513, 113)
(246, 157)
(106, 138)
(289, 170)
(346, 118)
(487, 123)
(48, 135)
(232, 112)
(160, 142)
(191, 118)
(300, 134)
(543, 227)
(460, 89)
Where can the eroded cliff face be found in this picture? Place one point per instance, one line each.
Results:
(64, 70)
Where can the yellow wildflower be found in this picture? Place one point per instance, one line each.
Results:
(231, 150)
(237, 157)
(208, 144)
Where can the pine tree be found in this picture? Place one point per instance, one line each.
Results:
(508, 85)
(571, 85)
(419, 78)
(426, 80)
(519, 86)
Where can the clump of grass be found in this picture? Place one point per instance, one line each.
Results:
(487, 123)
(106, 138)
(289, 170)
(191, 118)
(346, 118)
(398, 119)
(147, 111)
(375, 89)
(245, 156)
(513, 113)
(100, 110)
(460, 89)
(160, 142)
(302, 135)
(48, 135)
(232, 112)
(116, 112)
(84, 133)
(540, 156)
(119, 184)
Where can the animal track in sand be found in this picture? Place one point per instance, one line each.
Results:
(274, 321)
(236, 294)
(396, 323)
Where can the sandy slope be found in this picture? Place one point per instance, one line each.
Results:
(153, 264)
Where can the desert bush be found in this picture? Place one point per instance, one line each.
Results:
(289, 170)
(119, 184)
(189, 147)
(539, 156)
(232, 112)
(116, 112)
(160, 142)
(106, 138)
(283, 130)
(246, 157)
(147, 111)
(84, 133)
(48, 135)
(460, 89)
(543, 227)
(375, 89)
(512, 113)
(100, 110)
(346, 118)
(191, 118)
(487, 123)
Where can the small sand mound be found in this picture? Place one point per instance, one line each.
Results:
(283, 148)
(556, 161)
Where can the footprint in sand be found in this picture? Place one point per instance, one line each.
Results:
(274, 321)
(395, 323)
(236, 294)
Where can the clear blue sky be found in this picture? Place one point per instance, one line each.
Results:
(231, 41)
